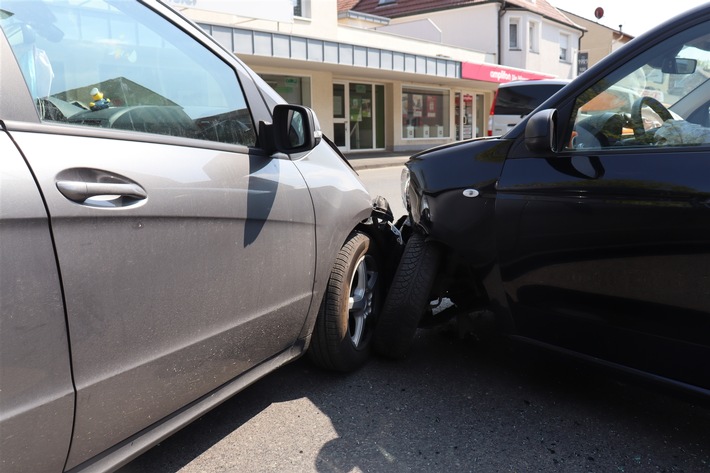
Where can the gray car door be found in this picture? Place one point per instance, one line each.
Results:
(186, 254)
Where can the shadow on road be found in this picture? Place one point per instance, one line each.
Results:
(449, 407)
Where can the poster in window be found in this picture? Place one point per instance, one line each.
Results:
(355, 110)
(430, 106)
(417, 99)
(366, 108)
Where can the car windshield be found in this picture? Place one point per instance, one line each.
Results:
(667, 86)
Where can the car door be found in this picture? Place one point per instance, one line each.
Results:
(605, 245)
(186, 253)
(36, 393)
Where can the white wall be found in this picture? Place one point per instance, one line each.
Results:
(473, 28)
(547, 56)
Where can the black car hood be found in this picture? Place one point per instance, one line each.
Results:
(476, 163)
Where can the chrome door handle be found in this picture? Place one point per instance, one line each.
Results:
(98, 188)
(80, 191)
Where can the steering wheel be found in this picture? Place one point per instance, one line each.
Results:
(637, 119)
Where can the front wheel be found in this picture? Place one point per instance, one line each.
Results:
(408, 297)
(343, 329)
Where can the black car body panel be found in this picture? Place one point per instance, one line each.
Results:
(587, 228)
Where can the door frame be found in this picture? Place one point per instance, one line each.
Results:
(345, 119)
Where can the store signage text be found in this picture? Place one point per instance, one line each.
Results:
(499, 74)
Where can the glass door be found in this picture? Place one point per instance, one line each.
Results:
(341, 135)
(361, 120)
(358, 116)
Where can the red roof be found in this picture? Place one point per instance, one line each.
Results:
(346, 5)
(402, 8)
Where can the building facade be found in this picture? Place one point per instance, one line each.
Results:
(598, 41)
(374, 86)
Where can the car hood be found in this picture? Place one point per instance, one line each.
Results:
(476, 162)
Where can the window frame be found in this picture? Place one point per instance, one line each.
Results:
(533, 36)
(565, 48)
(301, 8)
(514, 37)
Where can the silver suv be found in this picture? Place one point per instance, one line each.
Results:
(170, 231)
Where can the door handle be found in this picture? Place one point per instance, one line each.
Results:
(81, 191)
(97, 188)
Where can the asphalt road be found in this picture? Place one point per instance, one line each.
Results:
(451, 406)
(385, 182)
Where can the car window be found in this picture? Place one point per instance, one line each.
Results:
(658, 99)
(523, 99)
(116, 64)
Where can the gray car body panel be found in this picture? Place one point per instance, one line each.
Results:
(202, 278)
(172, 295)
(36, 393)
(341, 202)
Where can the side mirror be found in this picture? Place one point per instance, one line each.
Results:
(295, 129)
(540, 131)
(679, 66)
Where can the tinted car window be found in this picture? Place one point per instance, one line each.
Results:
(523, 99)
(116, 65)
(659, 99)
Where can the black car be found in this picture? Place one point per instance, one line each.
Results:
(586, 228)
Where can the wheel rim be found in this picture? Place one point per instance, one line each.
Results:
(362, 294)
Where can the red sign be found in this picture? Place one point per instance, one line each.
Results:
(493, 73)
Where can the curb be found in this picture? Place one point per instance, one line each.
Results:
(362, 164)
(377, 161)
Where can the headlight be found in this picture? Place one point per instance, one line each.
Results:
(404, 187)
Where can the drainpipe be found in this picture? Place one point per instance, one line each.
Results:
(501, 12)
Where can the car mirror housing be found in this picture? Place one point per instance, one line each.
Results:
(540, 131)
(679, 66)
(294, 129)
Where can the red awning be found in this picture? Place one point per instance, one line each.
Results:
(494, 73)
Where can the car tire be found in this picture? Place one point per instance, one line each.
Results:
(408, 297)
(343, 331)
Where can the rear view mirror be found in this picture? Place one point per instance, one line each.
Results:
(679, 66)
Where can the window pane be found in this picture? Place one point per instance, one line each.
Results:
(293, 89)
(425, 113)
(117, 65)
(513, 35)
(564, 47)
(658, 99)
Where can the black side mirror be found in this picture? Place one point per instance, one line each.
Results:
(295, 129)
(540, 131)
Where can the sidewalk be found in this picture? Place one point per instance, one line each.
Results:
(379, 159)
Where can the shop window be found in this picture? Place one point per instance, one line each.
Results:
(425, 113)
(293, 89)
